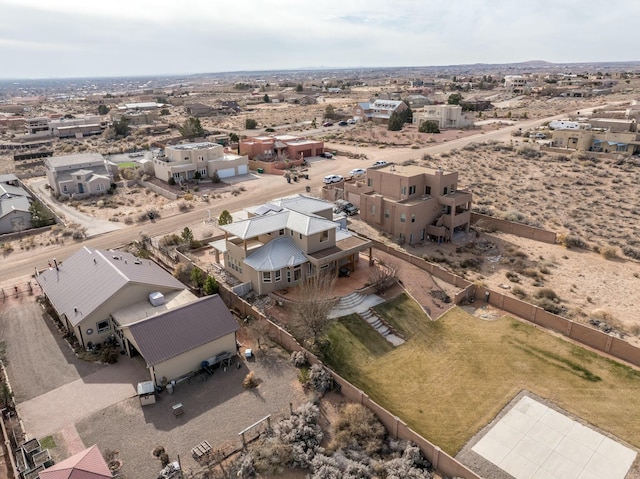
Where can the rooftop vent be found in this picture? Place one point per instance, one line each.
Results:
(156, 299)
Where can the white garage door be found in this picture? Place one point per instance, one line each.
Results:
(227, 172)
(243, 169)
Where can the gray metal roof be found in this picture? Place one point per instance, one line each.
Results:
(67, 161)
(8, 177)
(260, 225)
(83, 282)
(303, 204)
(9, 205)
(276, 254)
(175, 332)
(10, 191)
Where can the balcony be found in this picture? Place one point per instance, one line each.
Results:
(458, 197)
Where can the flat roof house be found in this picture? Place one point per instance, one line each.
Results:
(285, 241)
(181, 162)
(266, 148)
(80, 175)
(412, 203)
(446, 116)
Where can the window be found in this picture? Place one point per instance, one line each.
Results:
(444, 208)
(266, 276)
(427, 190)
(103, 326)
(403, 218)
(324, 236)
(278, 275)
(369, 181)
(291, 232)
(373, 209)
(201, 158)
(281, 232)
(413, 218)
(412, 190)
(176, 175)
(403, 190)
(78, 177)
(297, 273)
(445, 191)
(300, 235)
(203, 172)
(186, 158)
(453, 189)
(387, 213)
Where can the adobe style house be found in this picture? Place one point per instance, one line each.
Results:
(379, 111)
(143, 113)
(412, 203)
(285, 241)
(79, 176)
(446, 116)
(14, 205)
(623, 143)
(268, 148)
(110, 295)
(181, 162)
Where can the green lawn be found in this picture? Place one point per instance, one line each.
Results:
(454, 375)
(127, 164)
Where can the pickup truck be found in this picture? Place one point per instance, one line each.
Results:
(346, 207)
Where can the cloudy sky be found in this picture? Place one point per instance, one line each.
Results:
(84, 38)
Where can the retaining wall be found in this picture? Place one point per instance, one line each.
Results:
(518, 229)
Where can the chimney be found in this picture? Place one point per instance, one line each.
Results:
(55, 262)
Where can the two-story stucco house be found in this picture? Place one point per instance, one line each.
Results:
(412, 203)
(378, 111)
(286, 240)
(181, 162)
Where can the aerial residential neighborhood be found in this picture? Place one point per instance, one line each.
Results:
(244, 268)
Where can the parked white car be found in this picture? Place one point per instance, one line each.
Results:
(380, 163)
(351, 121)
(332, 179)
(357, 172)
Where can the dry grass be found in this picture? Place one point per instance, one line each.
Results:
(454, 375)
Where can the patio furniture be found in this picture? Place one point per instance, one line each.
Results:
(201, 449)
(177, 409)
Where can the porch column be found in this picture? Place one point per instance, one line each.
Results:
(370, 256)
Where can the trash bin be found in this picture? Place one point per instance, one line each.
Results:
(260, 170)
(170, 388)
(308, 188)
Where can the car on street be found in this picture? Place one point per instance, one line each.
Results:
(357, 172)
(327, 123)
(380, 163)
(325, 154)
(332, 179)
(343, 206)
(351, 121)
(343, 123)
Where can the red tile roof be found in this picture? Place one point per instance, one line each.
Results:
(87, 464)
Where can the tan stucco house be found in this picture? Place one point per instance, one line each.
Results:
(412, 203)
(81, 175)
(105, 295)
(446, 116)
(378, 111)
(285, 241)
(181, 162)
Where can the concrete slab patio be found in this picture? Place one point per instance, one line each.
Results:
(534, 441)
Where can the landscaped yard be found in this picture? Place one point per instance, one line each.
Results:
(454, 375)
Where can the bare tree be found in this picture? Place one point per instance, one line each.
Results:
(383, 275)
(312, 311)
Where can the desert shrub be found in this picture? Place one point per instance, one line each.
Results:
(158, 451)
(572, 241)
(109, 355)
(170, 240)
(471, 263)
(547, 293)
(549, 306)
(188, 196)
(302, 433)
(518, 292)
(299, 359)
(183, 206)
(631, 252)
(356, 427)
(182, 272)
(164, 459)
(250, 381)
(529, 152)
(319, 379)
(513, 277)
(609, 252)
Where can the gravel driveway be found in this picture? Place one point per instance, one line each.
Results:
(38, 359)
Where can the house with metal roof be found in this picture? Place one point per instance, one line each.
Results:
(379, 111)
(87, 464)
(14, 206)
(88, 286)
(285, 241)
(175, 341)
(100, 295)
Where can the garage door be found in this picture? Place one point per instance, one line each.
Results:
(227, 172)
(243, 169)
